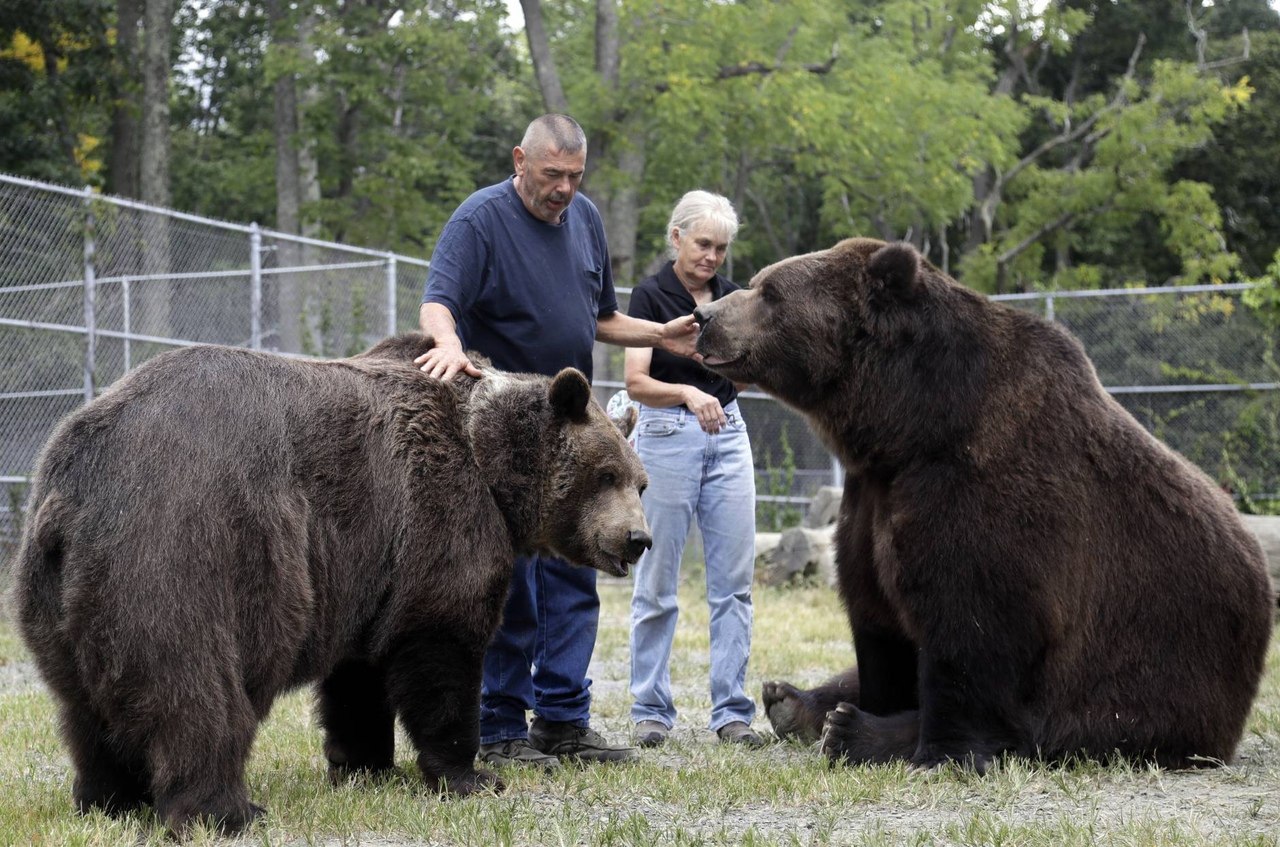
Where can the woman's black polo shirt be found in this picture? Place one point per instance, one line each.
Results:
(663, 298)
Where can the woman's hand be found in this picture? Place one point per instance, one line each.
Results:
(708, 410)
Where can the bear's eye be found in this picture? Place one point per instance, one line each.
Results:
(608, 480)
(641, 490)
(770, 294)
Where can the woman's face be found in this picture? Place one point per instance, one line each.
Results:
(699, 253)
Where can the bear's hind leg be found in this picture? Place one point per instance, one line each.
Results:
(197, 756)
(795, 713)
(358, 721)
(433, 681)
(856, 737)
(105, 779)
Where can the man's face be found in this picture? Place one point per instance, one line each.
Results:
(547, 180)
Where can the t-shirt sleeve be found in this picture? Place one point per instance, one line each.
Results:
(641, 305)
(456, 272)
(608, 297)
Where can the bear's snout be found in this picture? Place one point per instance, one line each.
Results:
(637, 542)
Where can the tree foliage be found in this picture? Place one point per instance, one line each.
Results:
(53, 58)
(1021, 145)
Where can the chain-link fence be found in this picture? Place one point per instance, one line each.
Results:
(91, 286)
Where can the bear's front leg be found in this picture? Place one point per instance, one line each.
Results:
(433, 682)
(358, 721)
(887, 671)
(962, 713)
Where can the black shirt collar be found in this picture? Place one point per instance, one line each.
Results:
(670, 283)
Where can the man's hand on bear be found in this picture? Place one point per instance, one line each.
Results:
(680, 336)
(444, 360)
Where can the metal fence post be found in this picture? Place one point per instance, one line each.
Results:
(255, 286)
(128, 324)
(90, 293)
(391, 294)
(1048, 307)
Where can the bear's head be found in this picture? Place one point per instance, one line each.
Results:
(592, 513)
(876, 346)
(561, 470)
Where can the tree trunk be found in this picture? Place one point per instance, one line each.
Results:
(288, 299)
(155, 102)
(619, 199)
(156, 297)
(125, 154)
(544, 67)
(308, 169)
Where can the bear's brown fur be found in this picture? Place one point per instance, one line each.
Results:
(223, 525)
(1025, 568)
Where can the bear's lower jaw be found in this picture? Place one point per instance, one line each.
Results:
(614, 566)
(606, 563)
(714, 361)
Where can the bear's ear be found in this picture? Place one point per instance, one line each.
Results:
(627, 420)
(896, 267)
(569, 394)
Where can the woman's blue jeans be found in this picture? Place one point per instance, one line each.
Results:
(713, 477)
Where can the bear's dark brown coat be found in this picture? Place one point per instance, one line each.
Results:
(223, 525)
(1025, 568)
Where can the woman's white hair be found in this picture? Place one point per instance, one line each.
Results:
(699, 208)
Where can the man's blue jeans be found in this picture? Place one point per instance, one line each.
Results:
(713, 477)
(539, 656)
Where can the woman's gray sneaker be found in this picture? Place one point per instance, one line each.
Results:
(651, 734)
(739, 732)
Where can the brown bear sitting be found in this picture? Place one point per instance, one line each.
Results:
(224, 525)
(1025, 568)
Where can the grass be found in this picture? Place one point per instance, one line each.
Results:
(691, 792)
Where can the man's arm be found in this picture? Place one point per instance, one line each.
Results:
(446, 358)
(679, 336)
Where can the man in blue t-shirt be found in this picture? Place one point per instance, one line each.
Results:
(521, 274)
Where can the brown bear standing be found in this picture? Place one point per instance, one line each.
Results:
(1025, 568)
(223, 525)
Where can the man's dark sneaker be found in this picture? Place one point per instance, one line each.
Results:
(569, 741)
(516, 751)
(739, 732)
(651, 734)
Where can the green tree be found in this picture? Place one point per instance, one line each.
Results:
(1093, 199)
(1238, 162)
(54, 56)
(819, 119)
(408, 94)
(223, 150)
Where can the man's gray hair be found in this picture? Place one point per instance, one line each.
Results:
(702, 208)
(553, 132)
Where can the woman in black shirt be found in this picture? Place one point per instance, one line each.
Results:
(694, 445)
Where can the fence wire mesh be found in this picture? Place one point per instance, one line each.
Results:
(91, 286)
